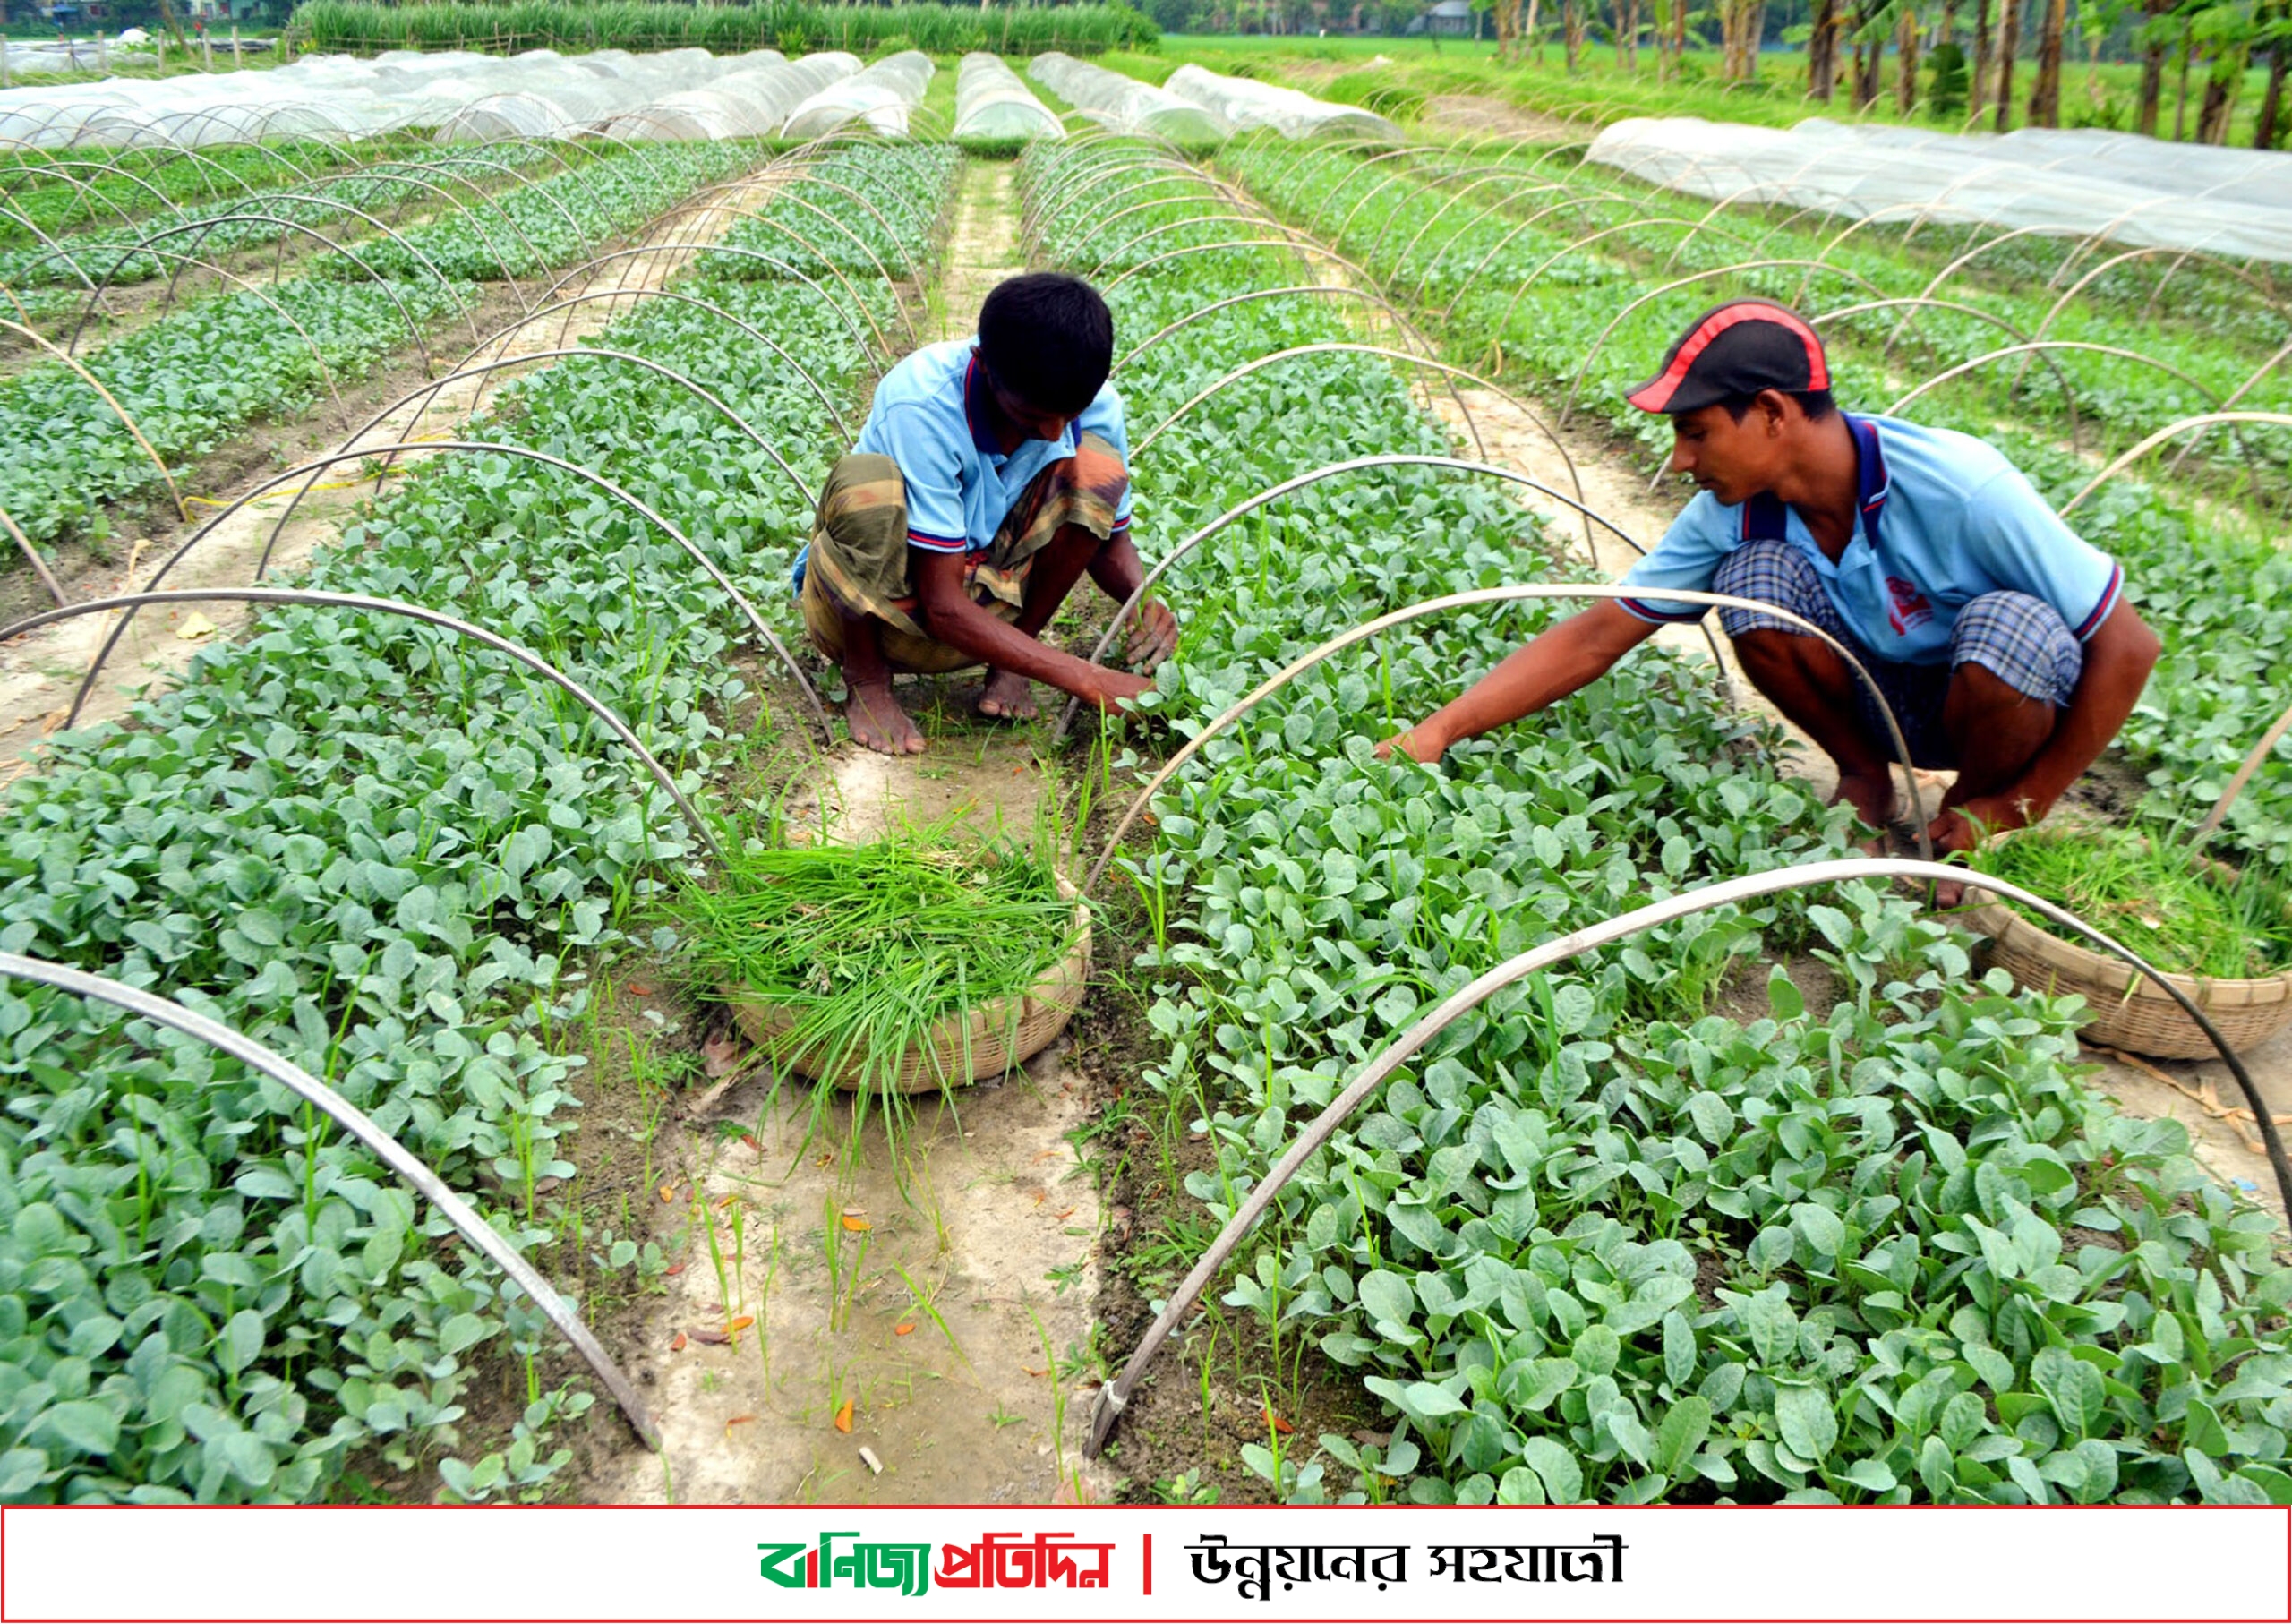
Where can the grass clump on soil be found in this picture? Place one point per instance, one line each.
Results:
(2181, 912)
(866, 948)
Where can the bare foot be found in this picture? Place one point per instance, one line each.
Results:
(1872, 799)
(1007, 697)
(877, 722)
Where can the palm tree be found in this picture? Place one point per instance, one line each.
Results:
(1977, 93)
(2045, 93)
(2153, 37)
(2278, 26)
(1822, 51)
(2009, 40)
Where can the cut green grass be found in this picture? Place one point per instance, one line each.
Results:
(866, 949)
(2182, 913)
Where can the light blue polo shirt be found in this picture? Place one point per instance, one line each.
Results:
(1945, 519)
(930, 416)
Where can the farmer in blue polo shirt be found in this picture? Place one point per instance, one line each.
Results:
(2000, 637)
(990, 475)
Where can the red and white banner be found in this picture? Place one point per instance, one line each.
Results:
(1158, 1563)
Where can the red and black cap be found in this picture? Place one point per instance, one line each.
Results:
(1736, 348)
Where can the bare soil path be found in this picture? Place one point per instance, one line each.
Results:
(923, 1310)
(40, 672)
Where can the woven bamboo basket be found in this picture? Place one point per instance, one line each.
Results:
(985, 1041)
(2130, 1011)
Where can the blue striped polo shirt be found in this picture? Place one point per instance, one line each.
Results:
(930, 417)
(1945, 519)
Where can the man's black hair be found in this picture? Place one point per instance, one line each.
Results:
(1049, 338)
(1816, 404)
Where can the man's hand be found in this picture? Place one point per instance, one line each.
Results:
(1963, 827)
(1153, 636)
(1112, 691)
(1420, 743)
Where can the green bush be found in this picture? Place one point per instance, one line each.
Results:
(1945, 86)
(1377, 92)
(788, 25)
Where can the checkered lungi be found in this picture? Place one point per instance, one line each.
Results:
(2022, 639)
(858, 563)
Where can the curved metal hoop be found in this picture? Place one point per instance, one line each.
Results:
(2252, 765)
(1312, 476)
(293, 595)
(401, 1161)
(500, 335)
(1584, 368)
(2201, 420)
(313, 467)
(1531, 592)
(32, 557)
(1292, 245)
(484, 368)
(698, 251)
(1347, 347)
(1116, 1394)
(90, 379)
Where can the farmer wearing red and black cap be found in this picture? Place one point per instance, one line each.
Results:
(2000, 637)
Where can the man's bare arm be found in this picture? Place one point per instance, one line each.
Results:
(1580, 648)
(947, 613)
(1153, 628)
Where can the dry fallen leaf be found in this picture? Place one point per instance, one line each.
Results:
(196, 626)
(1069, 1213)
(1032, 1372)
(844, 1417)
(739, 1323)
(856, 1224)
(714, 1338)
(721, 1054)
(1276, 1423)
(676, 1343)
(900, 1330)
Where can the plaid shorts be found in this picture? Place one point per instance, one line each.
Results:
(858, 563)
(2022, 639)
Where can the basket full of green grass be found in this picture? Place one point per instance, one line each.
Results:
(916, 962)
(2224, 938)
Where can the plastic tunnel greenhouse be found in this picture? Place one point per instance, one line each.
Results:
(991, 104)
(1127, 105)
(462, 94)
(1247, 105)
(2140, 192)
(882, 97)
(755, 99)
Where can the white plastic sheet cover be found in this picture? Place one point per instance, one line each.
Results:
(992, 105)
(2131, 189)
(755, 98)
(1247, 105)
(1128, 105)
(461, 95)
(881, 96)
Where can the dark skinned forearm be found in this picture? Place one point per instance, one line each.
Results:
(1116, 568)
(1575, 652)
(948, 614)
